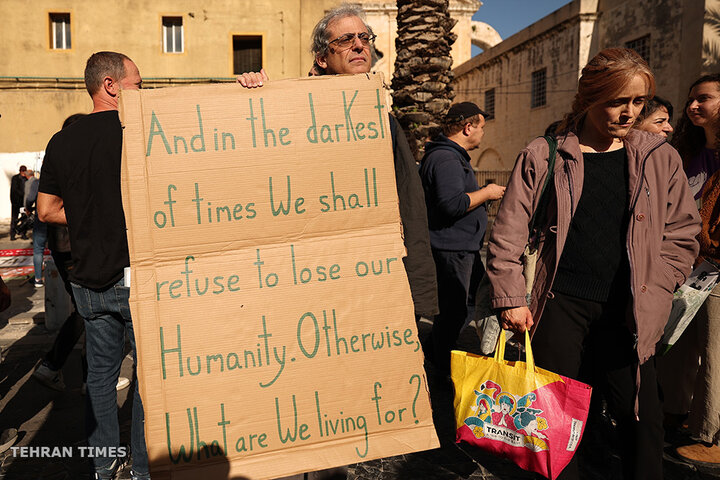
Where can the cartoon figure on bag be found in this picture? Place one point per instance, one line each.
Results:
(529, 424)
(483, 411)
(504, 418)
(520, 425)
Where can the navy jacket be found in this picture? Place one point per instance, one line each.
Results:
(447, 176)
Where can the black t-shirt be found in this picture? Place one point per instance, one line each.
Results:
(82, 166)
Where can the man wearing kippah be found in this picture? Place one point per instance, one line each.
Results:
(457, 220)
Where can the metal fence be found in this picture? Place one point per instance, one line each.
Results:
(499, 177)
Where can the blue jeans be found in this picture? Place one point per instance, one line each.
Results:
(39, 241)
(107, 318)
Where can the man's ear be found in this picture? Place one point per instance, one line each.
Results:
(466, 129)
(111, 86)
(321, 60)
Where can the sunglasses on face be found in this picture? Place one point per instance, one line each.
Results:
(346, 41)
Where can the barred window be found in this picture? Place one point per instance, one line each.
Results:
(490, 104)
(641, 46)
(247, 53)
(60, 31)
(538, 90)
(173, 39)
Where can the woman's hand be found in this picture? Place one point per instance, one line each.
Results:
(516, 319)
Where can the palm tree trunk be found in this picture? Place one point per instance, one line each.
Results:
(422, 92)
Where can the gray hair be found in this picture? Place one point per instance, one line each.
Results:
(320, 40)
(101, 65)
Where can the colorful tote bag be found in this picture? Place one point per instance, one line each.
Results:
(532, 416)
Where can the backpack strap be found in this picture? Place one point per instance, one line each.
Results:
(544, 196)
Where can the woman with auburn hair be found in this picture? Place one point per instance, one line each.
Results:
(618, 238)
(698, 139)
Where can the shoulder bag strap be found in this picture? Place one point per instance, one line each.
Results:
(544, 196)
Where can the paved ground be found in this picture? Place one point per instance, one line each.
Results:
(49, 418)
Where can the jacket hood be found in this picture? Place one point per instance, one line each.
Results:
(444, 142)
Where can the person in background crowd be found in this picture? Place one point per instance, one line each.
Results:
(457, 219)
(39, 228)
(611, 252)
(17, 195)
(655, 117)
(697, 139)
(676, 385)
(29, 196)
(76, 191)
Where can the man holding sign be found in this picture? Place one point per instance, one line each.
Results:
(342, 43)
(80, 187)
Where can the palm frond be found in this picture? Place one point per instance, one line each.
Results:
(711, 55)
(712, 19)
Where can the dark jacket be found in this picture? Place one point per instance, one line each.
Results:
(447, 177)
(17, 189)
(419, 263)
(661, 244)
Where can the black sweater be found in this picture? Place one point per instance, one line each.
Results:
(594, 258)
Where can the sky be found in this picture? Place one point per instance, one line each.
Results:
(510, 16)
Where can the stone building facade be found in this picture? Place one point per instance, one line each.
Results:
(529, 80)
(44, 45)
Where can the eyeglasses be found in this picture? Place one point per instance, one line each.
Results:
(346, 41)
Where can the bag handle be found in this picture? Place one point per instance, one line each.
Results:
(529, 358)
(500, 347)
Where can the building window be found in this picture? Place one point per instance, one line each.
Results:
(538, 90)
(641, 46)
(173, 34)
(60, 31)
(490, 104)
(247, 53)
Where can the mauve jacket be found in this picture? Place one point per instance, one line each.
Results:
(661, 244)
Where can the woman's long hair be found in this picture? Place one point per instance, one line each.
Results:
(688, 139)
(602, 79)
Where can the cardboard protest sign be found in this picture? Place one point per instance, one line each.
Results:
(273, 316)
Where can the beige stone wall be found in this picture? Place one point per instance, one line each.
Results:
(563, 42)
(30, 117)
(551, 43)
(462, 11)
(382, 17)
(623, 21)
(32, 109)
(134, 27)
